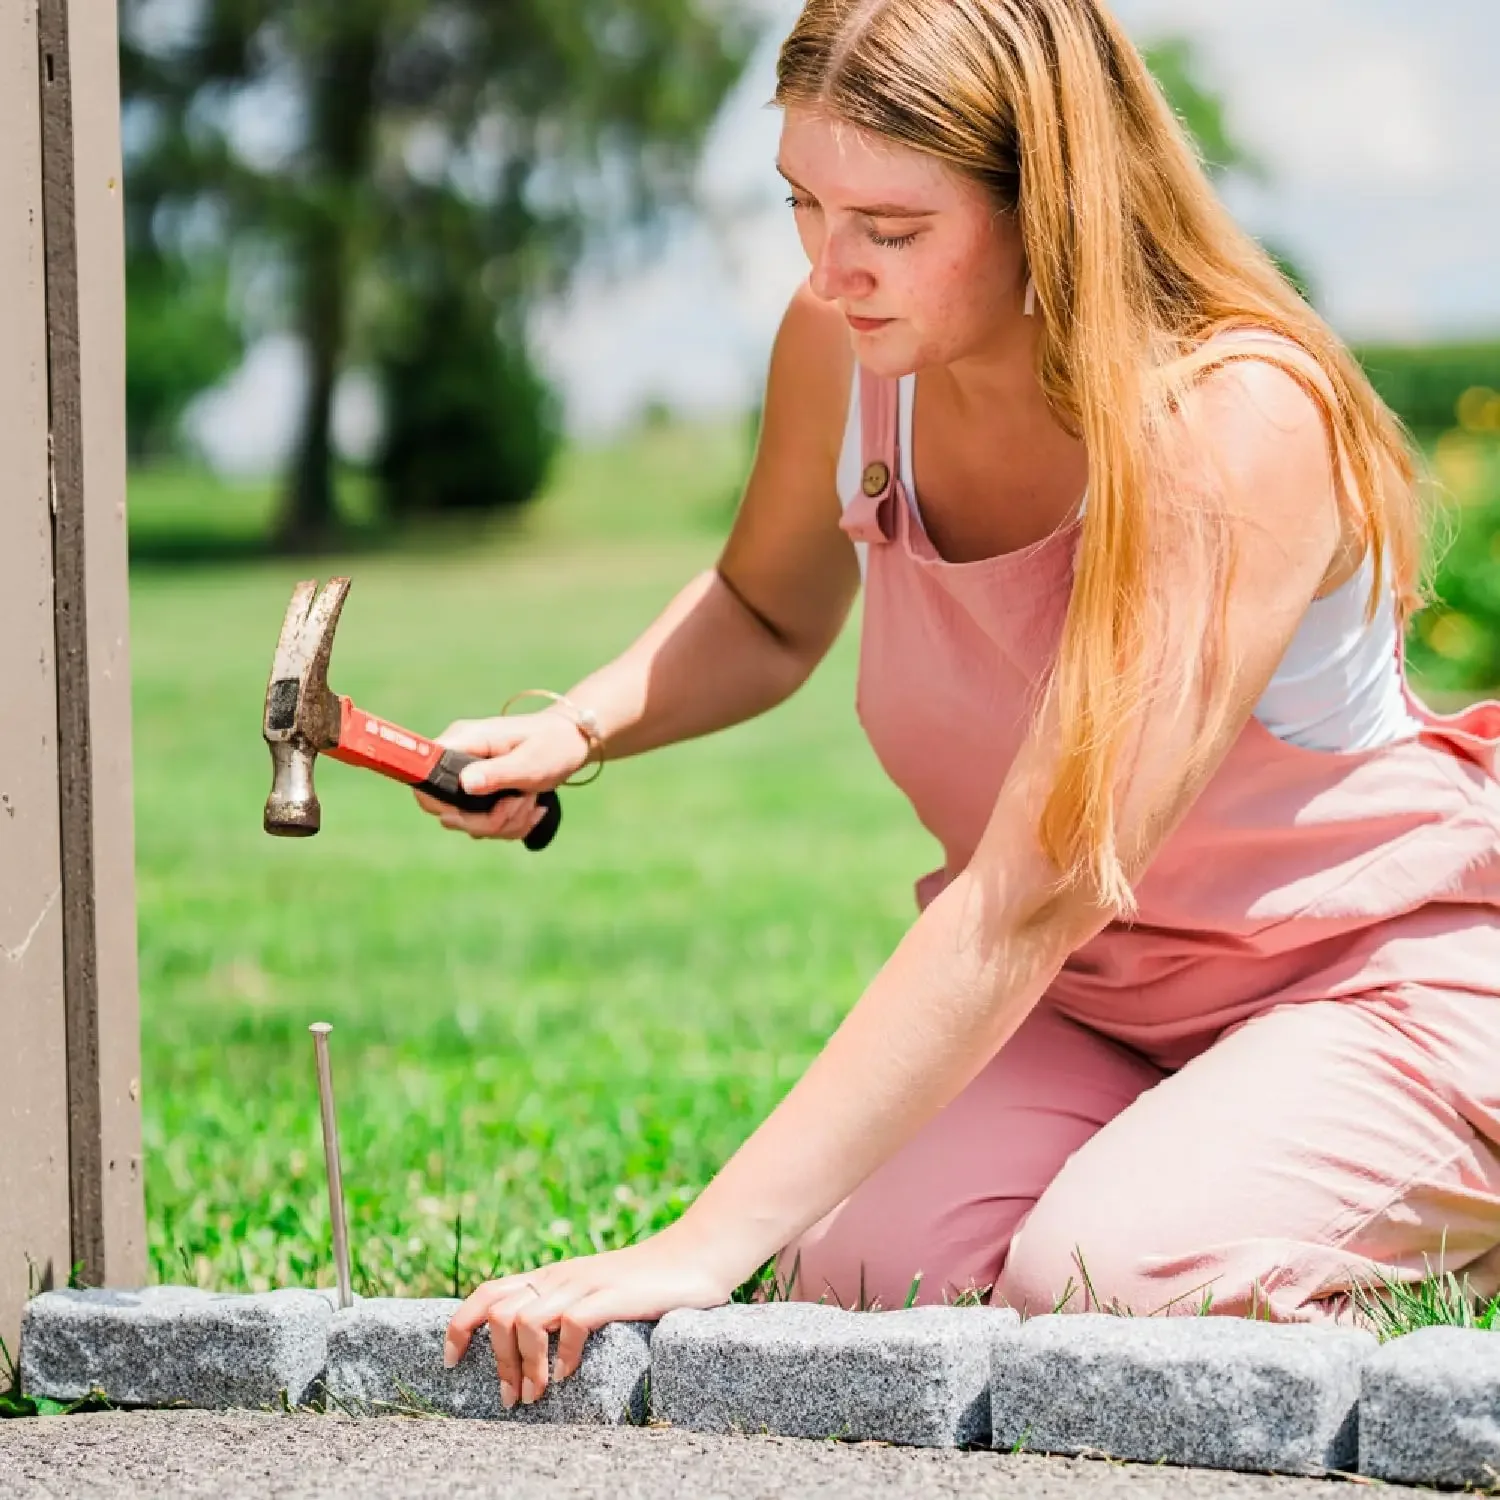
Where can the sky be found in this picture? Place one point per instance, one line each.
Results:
(1374, 119)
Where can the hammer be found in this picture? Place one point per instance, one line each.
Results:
(304, 718)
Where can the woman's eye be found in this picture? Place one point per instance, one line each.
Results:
(891, 242)
(793, 201)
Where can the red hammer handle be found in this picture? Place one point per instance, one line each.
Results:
(378, 745)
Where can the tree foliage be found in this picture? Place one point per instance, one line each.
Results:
(360, 163)
(1178, 69)
(181, 339)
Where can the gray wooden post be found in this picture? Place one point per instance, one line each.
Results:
(70, 1172)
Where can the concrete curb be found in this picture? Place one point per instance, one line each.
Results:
(1208, 1393)
(1430, 1409)
(1214, 1392)
(173, 1345)
(389, 1351)
(919, 1377)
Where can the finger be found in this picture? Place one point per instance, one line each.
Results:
(506, 1345)
(532, 1318)
(517, 770)
(520, 817)
(580, 1319)
(429, 804)
(472, 1313)
(494, 824)
(476, 825)
(481, 737)
(555, 1311)
(503, 821)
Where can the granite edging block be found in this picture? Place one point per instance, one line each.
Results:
(387, 1351)
(176, 1346)
(919, 1376)
(1430, 1409)
(1203, 1392)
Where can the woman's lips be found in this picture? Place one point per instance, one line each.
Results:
(868, 325)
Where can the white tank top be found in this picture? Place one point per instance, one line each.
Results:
(1338, 686)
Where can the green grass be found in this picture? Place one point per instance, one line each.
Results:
(1441, 1299)
(534, 1056)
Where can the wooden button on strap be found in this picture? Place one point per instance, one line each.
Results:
(877, 479)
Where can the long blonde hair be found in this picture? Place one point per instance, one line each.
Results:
(1137, 265)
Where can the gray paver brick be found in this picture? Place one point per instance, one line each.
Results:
(918, 1376)
(1214, 1392)
(173, 1345)
(1430, 1412)
(382, 1345)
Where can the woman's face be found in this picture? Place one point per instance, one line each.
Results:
(916, 256)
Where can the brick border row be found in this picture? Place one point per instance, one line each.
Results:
(1214, 1392)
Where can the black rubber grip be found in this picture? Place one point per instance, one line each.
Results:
(444, 784)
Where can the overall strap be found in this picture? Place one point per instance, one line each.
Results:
(868, 516)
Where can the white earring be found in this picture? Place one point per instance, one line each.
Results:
(1030, 308)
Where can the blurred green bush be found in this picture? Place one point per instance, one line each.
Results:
(1455, 644)
(470, 423)
(1428, 384)
(1449, 396)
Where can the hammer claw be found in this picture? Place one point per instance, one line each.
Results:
(285, 663)
(307, 631)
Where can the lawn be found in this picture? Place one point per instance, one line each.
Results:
(535, 1055)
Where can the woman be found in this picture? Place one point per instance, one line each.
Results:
(1201, 1009)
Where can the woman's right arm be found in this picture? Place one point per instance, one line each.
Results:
(738, 639)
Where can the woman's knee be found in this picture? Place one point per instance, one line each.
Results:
(1089, 1255)
(1065, 1257)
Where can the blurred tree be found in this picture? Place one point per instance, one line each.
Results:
(369, 164)
(1175, 64)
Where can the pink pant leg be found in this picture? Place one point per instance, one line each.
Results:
(947, 1204)
(1313, 1148)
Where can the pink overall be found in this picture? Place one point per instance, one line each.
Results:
(1282, 1080)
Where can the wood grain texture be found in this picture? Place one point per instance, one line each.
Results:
(100, 291)
(84, 256)
(34, 1185)
(70, 602)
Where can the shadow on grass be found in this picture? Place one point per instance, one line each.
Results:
(176, 550)
(184, 548)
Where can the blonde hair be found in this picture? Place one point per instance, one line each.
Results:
(1137, 265)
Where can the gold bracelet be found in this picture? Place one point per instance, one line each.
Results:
(585, 720)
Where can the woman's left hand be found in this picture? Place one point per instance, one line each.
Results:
(573, 1297)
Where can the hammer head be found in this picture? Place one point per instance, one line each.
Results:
(302, 714)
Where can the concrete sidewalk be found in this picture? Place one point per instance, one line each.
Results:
(110, 1455)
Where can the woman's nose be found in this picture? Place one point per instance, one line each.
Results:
(835, 275)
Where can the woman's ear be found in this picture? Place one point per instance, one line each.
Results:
(1030, 308)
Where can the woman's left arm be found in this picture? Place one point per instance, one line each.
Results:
(983, 953)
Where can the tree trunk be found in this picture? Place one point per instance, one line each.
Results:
(341, 82)
(309, 516)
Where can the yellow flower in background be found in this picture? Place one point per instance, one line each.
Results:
(1479, 409)
(1460, 461)
(1453, 636)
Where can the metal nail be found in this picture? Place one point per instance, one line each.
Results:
(320, 1030)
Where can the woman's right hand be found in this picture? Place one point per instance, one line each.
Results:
(529, 753)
